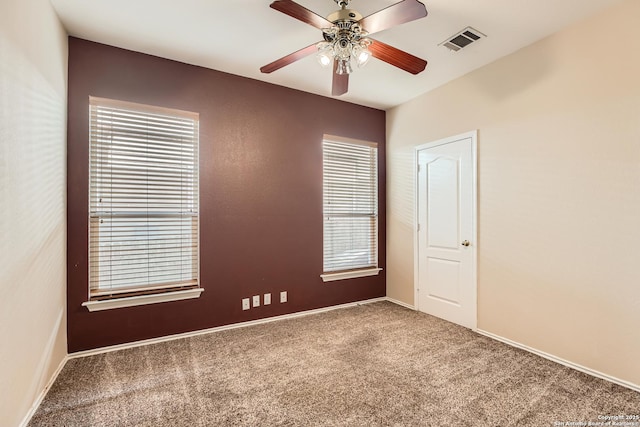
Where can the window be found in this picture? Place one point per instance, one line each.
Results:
(350, 208)
(143, 204)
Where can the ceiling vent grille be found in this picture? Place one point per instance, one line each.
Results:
(462, 39)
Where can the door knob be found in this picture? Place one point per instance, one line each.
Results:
(466, 243)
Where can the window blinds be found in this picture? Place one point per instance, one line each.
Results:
(143, 201)
(350, 205)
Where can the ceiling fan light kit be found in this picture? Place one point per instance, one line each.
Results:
(346, 39)
(344, 42)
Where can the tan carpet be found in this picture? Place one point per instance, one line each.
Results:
(372, 365)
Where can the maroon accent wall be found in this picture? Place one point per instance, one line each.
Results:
(260, 193)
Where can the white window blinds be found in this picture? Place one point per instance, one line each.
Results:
(143, 199)
(350, 205)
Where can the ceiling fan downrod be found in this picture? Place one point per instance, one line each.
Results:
(342, 3)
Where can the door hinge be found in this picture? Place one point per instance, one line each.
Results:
(418, 227)
(418, 168)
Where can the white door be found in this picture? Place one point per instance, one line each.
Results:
(446, 236)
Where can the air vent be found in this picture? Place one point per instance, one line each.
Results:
(462, 39)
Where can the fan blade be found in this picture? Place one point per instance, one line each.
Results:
(300, 13)
(340, 84)
(396, 14)
(397, 57)
(289, 59)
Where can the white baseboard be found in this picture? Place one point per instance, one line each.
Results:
(594, 373)
(43, 393)
(403, 304)
(218, 328)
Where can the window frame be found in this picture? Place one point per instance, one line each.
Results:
(149, 293)
(363, 271)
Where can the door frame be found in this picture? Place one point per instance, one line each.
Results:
(474, 226)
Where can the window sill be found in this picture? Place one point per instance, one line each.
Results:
(330, 277)
(142, 300)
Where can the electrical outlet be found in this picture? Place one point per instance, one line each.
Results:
(267, 299)
(283, 296)
(256, 300)
(245, 304)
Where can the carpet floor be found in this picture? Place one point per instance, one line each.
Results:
(371, 365)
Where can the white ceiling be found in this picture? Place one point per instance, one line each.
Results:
(239, 36)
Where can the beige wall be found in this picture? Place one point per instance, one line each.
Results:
(559, 190)
(33, 76)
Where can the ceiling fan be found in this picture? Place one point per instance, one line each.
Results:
(346, 39)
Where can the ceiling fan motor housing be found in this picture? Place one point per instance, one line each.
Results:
(344, 15)
(345, 30)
